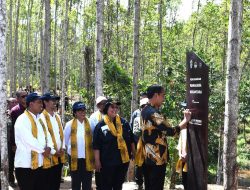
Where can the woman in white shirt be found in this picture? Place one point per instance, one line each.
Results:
(78, 140)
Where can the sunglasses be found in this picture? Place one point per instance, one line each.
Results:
(23, 96)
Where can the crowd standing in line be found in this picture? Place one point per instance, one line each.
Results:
(105, 143)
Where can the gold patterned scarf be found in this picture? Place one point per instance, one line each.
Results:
(117, 132)
(34, 155)
(89, 154)
(140, 153)
(50, 128)
(99, 117)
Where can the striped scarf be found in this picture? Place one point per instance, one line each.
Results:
(34, 155)
(117, 132)
(50, 128)
(88, 146)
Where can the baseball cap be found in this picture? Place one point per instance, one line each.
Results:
(32, 97)
(99, 99)
(143, 101)
(49, 96)
(78, 106)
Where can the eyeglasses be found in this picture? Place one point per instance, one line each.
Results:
(23, 96)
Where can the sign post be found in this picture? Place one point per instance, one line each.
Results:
(197, 133)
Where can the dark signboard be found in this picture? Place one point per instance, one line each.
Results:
(197, 102)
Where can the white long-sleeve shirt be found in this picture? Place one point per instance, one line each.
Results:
(26, 142)
(56, 129)
(80, 138)
(94, 119)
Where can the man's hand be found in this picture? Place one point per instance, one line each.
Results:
(98, 166)
(59, 153)
(187, 118)
(46, 152)
(187, 115)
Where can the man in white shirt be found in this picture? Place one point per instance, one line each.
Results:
(95, 118)
(34, 146)
(54, 126)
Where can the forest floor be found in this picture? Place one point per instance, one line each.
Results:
(132, 186)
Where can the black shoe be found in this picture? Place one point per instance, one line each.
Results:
(12, 184)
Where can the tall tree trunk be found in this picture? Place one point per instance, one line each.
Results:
(19, 65)
(134, 103)
(55, 46)
(41, 43)
(117, 31)
(16, 46)
(3, 95)
(10, 55)
(99, 47)
(127, 35)
(231, 98)
(65, 56)
(160, 36)
(28, 56)
(196, 23)
(47, 43)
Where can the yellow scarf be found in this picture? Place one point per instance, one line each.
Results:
(118, 133)
(99, 117)
(50, 128)
(34, 155)
(179, 166)
(88, 146)
(140, 152)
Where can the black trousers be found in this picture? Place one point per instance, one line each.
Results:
(98, 180)
(138, 175)
(11, 156)
(29, 179)
(81, 178)
(113, 176)
(154, 176)
(184, 178)
(54, 177)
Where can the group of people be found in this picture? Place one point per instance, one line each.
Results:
(102, 144)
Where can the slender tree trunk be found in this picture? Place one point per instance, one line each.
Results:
(55, 46)
(134, 103)
(219, 177)
(28, 57)
(196, 23)
(65, 56)
(231, 122)
(117, 31)
(3, 95)
(47, 43)
(160, 35)
(16, 46)
(127, 35)
(99, 47)
(10, 57)
(41, 43)
(19, 65)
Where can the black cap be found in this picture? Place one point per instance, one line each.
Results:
(32, 97)
(109, 102)
(47, 96)
(78, 106)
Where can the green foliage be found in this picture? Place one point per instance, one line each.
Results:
(118, 84)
